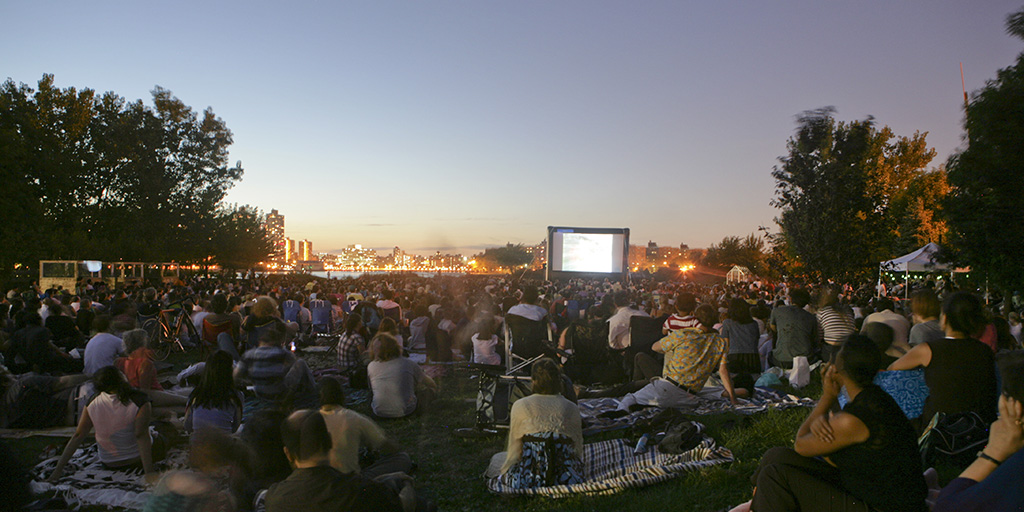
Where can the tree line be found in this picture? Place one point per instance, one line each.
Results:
(96, 176)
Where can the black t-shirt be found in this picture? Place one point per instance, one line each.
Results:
(323, 488)
(961, 377)
(884, 471)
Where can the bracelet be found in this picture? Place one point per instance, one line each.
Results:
(983, 455)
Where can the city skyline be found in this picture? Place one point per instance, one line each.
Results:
(454, 127)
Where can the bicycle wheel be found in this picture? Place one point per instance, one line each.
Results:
(160, 347)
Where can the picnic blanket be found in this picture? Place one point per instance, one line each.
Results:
(87, 482)
(611, 466)
(595, 420)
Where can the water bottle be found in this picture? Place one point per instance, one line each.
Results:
(641, 445)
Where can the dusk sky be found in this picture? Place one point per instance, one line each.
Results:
(458, 125)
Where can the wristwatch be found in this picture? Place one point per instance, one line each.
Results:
(993, 460)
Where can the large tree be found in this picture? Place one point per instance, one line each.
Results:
(90, 176)
(733, 250)
(842, 190)
(986, 204)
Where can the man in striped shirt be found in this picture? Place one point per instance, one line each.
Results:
(275, 373)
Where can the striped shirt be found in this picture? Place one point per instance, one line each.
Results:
(835, 325)
(676, 322)
(266, 367)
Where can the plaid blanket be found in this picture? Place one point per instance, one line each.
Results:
(87, 482)
(593, 410)
(610, 466)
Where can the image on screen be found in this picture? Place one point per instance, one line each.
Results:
(587, 252)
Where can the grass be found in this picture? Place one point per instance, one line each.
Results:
(450, 467)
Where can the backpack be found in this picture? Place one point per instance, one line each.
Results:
(956, 437)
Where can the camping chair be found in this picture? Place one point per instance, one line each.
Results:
(290, 311)
(321, 312)
(211, 331)
(525, 341)
(495, 395)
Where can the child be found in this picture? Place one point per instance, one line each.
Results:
(484, 342)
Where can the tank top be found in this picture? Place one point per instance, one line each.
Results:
(961, 377)
(114, 423)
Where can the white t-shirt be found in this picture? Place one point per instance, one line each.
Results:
(483, 350)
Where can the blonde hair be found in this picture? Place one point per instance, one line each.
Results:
(384, 347)
(265, 306)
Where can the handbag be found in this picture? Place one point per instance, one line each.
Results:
(956, 437)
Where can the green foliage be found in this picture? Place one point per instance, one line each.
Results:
(843, 190)
(507, 257)
(733, 250)
(99, 177)
(986, 204)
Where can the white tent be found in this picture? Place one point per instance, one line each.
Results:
(921, 260)
(737, 273)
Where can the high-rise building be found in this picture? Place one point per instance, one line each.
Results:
(289, 250)
(305, 250)
(275, 229)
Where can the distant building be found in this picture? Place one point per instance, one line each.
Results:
(305, 250)
(539, 253)
(289, 250)
(275, 228)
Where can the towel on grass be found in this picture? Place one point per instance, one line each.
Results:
(611, 466)
(87, 482)
(595, 421)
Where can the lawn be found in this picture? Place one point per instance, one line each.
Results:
(450, 467)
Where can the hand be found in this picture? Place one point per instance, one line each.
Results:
(829, 382)
(1006, 436)
(821, 427)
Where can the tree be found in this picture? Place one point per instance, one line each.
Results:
(840, 190)
(241, 239)
(985, 207)
(98, 177)
(509, 257)
(733, 250)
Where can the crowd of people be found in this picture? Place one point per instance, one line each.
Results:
(258, 418)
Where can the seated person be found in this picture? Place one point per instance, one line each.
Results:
(960, 371)
(993, 481)
(103, 348)
(314, 485)
(121, 416)
(881, 334)
(215, 403)
(485, 342)
(536, 419)
(691, 356)
(352, 345)
(63, 327)
(352, 432)
(140, 371)
(277, 376)
(33, 345)
(31, 400)
(863, 458)
(399, 385)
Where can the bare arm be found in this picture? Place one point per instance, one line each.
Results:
(83, 429)
(920, 355)
(723, 373)
(142, 419)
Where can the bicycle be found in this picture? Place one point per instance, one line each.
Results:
(169, 330)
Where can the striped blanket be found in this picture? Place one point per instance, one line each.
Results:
(87, 482)
(610, 466)
(595, 421)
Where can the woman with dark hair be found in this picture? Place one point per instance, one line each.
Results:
(959, 370)
(351, 344)
(993, 481)
(863, 458)
(121, 416)
(545, 418)
(399, 385)
(215, 403)
(742, 332)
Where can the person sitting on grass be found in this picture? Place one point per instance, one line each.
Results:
(215, 403)
(352, 432)
(314, 485)
(542, 419)
(993, 481)
(121, 416)
(691, 356)
(277, 376)
(140, 371)
(864, 458)
(399, 385)
(959, 370)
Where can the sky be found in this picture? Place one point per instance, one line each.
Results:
(459, 125)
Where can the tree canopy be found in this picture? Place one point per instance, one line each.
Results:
(508, 257)
(852, 194)
(986, 204)
(733, 250)
(95, 176)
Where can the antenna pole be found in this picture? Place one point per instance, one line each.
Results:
(963, 84)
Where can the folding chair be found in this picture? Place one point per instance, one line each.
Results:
(321, 312)
(211, 331)
(525, 341)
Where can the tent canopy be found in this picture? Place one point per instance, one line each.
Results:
(921, 260)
